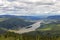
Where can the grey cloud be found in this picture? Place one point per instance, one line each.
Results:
(11, 0)
(1, 5)
(41, 3)
(31, 8)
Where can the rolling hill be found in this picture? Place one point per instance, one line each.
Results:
(50, 26)
(23, 17)
(48, 30)
(14, 23)
(56, 17)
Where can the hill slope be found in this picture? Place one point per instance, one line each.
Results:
(50, 26)
(14, 23)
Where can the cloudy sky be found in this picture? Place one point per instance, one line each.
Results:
(30, 7)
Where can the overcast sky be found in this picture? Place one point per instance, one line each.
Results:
(30, 7)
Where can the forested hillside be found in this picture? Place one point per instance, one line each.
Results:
(47, 35)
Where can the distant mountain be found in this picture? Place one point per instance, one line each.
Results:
(8, 16)
(23, 17)
(32, 17)
(54, 17)
(14, 23)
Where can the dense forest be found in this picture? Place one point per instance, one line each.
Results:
(37, 35)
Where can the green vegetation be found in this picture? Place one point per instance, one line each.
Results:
(3, 19)
(14, 23)
(49, 26)
(50, 31)
(36, 35)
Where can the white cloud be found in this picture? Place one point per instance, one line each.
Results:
(29, 7)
